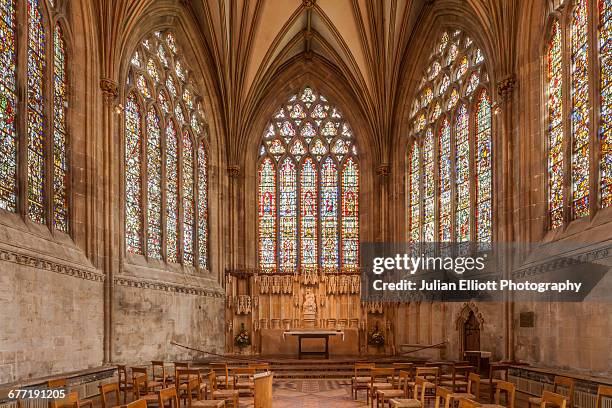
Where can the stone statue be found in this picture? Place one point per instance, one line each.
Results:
(309, 308)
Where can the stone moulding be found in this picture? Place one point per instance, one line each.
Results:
(45, 264)
(167, 287)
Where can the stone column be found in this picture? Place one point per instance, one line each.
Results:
(109, 93)
(506, 178)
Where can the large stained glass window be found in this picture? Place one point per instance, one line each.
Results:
(171, 192)
(46, 167)
(579, 155)
(35, 115)
(308, 194)
(8, 99)
(450, 161)
(554, 77)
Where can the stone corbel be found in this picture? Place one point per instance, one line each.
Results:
(110, 90)
(505, 87)
(383, 170)
(233, 170)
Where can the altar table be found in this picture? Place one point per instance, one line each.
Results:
(313, 334)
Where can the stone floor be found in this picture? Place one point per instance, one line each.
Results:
(311, 394)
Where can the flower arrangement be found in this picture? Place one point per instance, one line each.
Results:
(242, 339)
(376, 337)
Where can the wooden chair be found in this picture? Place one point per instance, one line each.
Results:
(193, 387)
(429, 374)
(458, 378)
(443, 394)
(125, 385)
(71, 401)
(400, 392)
(560, 382)
(603, 391)
(178, 366)
(222, 374)
(136, 404)
(378, 381)
(553, 399)
(141, 390)
(225, 395)
(167, 395)
(468, 403)
(57, 383)
(497, 371)
(418, 401)
(360, 380)
(243, 379)
(397, 367)
(107, 390)
(181, 381)
(158, 379)
(509, 389)
(472, 392)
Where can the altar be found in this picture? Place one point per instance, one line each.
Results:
(313, 334)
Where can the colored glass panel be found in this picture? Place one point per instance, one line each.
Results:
(483, 167)
(580, 109)
(428, 187)
(172, 225)
(154, 185)
(415, 194)
(554, 78)
(287, 210)
(203, 231)
(267, 215)
(462, 175)
(329, 214)
(60, 165)
(309, 215)
(350, 215)
(35, 116)
(444, 181)
(605, 129)
(133, 182)
(8, 98)
(188, 199)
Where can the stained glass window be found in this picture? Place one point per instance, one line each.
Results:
(605, 127)
(447, 197)
(483, 168)
(554, 74)
(35, 116)
(176, 225)
(172, 227)
(154, 185)
(309, 169)
(8, 98)
(60, 165)
(203, 207)
(415, 194)
(188, 199)
(462, 175)
(133, 183)
(580, 109)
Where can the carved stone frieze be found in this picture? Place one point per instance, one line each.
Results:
(166, 286)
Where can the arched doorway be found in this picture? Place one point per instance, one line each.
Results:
(471, 333)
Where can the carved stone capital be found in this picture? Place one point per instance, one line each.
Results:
(233, 170)
(110, 90)
(383, 170)
(506, 86)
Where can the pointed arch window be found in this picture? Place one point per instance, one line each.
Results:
(575, 150)
(308, 187)
(450, 154)
(166, 164)
(42, 196)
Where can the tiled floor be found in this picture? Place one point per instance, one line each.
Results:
(311, 394)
